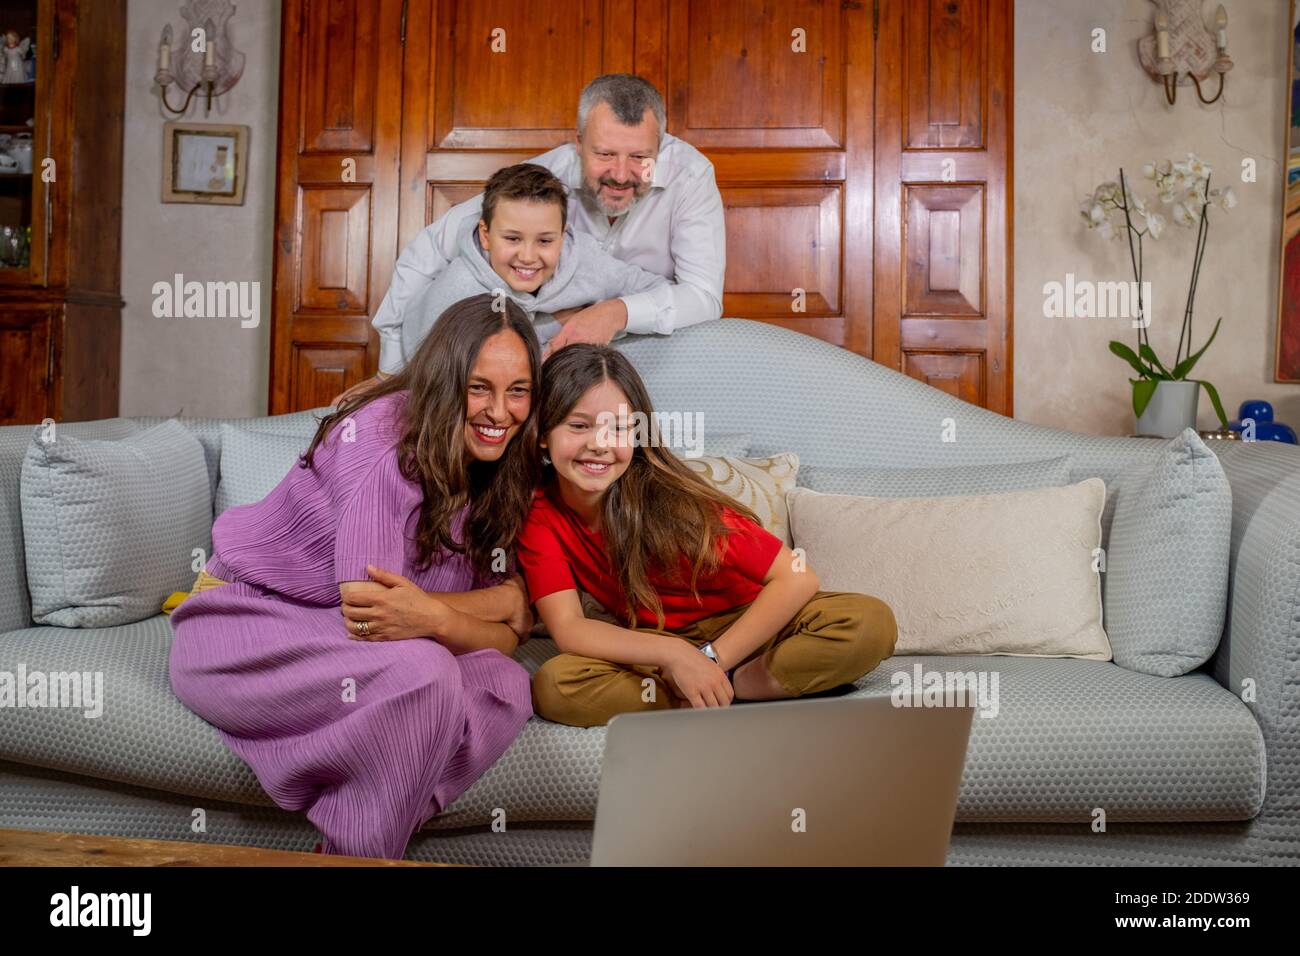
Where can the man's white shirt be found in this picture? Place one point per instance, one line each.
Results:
(676, 230)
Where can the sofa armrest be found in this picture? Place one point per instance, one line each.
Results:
(1261, 637)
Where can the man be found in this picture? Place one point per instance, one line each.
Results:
(648, 197)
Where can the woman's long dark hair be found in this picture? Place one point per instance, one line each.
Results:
(658, 510)
(431, 450)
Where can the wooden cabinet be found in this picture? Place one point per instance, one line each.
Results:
(861, 151)
(60, 312)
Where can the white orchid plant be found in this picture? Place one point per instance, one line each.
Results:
(1115, 213)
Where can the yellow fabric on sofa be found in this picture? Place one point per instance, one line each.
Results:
(203, 582)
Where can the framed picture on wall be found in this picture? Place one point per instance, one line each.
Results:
(204, 163)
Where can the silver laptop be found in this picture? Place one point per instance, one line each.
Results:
(827, 782)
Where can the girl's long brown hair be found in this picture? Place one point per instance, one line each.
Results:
(658, 510)
(431, 450)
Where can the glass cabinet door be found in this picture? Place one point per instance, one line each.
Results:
(25, 29)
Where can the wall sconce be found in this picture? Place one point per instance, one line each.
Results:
(1180, 43)
(214, 70)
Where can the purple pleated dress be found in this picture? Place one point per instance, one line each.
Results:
(267, 658)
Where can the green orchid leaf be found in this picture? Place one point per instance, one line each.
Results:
(1128, 355)
(1149, 354)
(1143, 389)
(1185, 366)
(1214, 400)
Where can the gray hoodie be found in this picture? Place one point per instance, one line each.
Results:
(585, 274)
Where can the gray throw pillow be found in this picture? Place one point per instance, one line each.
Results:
(110, 526)
(1165, 587)
(936, 482)
(253, 463)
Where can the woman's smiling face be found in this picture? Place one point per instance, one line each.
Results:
(499, 396)
(592, 447)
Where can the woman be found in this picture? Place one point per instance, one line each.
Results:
(374, 721)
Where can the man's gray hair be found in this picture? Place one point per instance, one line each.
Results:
(627, 95)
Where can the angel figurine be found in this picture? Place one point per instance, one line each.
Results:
(15, 53)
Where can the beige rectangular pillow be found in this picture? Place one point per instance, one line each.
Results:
(1009, 573)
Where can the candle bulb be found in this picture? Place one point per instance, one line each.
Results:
(209, 43)
(165, 49)
(1221, 25)
(1162, 35)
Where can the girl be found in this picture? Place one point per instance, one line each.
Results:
(716, 607)
(376, 720)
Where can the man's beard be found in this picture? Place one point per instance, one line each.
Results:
(606, 209)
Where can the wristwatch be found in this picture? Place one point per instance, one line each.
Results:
(710, 653)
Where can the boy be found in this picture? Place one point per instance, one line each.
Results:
(523, 247)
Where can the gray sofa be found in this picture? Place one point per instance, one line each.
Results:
(1188, 772)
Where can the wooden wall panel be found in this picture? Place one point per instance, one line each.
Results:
(791, 237)
(943, 196)
(336, 193)
(508, 76)
(946, 68)
(334, 268)
(338, 82)
(737, 78)
(960, 374)
(945, 250)
(769, 94)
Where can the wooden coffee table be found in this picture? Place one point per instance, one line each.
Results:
(44, 848)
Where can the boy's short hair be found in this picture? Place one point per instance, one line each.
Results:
(525, 181)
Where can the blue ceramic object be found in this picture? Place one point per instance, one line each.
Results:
(1265, 428)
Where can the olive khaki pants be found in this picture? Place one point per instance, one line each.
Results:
(836, 638)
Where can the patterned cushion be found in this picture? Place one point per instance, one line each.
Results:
(110, 527)
(253, 463)
(1010, 573)
(1180, 749)
(1166, 578)
(932, 482)
(760, 484)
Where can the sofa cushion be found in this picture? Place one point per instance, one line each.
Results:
(111, 527)
(759, 484)
(208, 432)
(1165, 585)
(253, 463)
(1068, 736)
(933, 482)
(1010, 573)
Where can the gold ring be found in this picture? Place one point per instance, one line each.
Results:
(363, 628)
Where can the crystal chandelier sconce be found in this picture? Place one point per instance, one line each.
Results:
(205, 61)
(1181, 48)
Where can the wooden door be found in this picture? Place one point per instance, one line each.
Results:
(336, 193)
(943, 196)
(861, 150)
(778, 96)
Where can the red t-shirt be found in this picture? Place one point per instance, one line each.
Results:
(558, 553)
